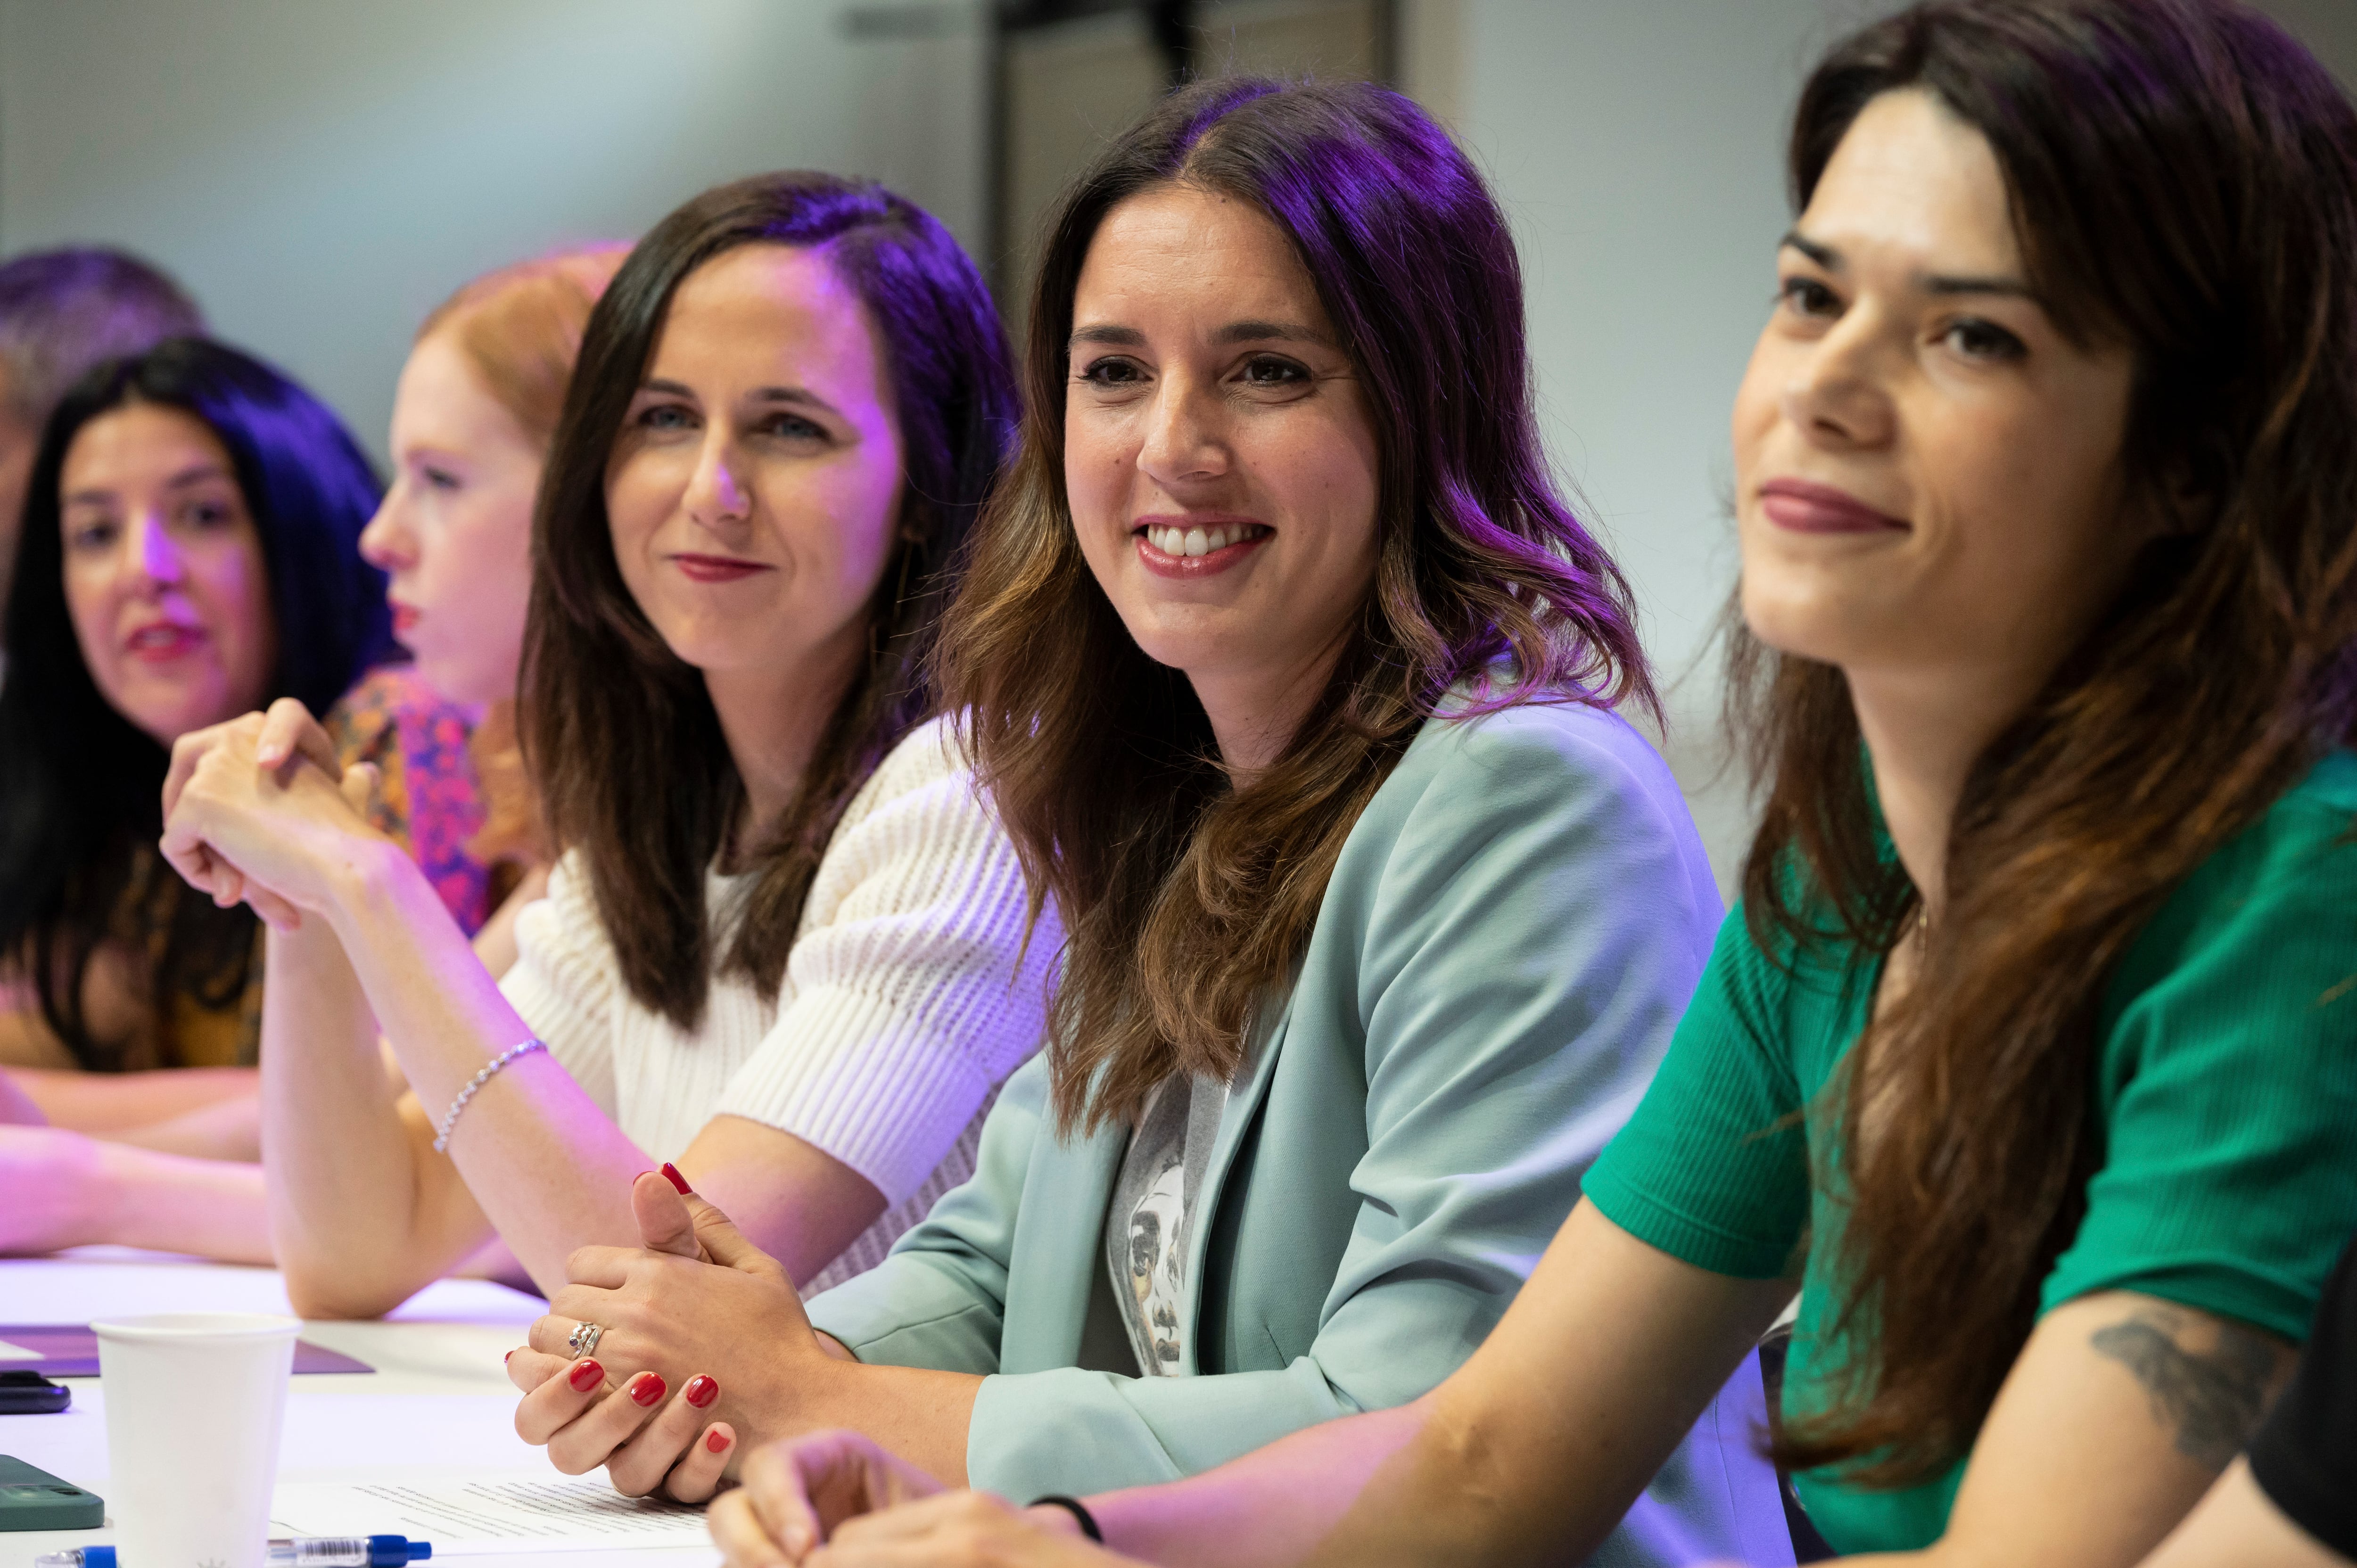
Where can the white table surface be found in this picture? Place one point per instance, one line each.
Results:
(438, 1406)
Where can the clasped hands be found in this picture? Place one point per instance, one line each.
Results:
(698, 1313)
(701, 1315)
(259, 810)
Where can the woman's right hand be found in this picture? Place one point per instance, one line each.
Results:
(287, 731)
(259, 808)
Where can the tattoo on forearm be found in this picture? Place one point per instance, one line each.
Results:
(2213, 1399)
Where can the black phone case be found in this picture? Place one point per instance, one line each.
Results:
(29, 1393)
(34, 1499)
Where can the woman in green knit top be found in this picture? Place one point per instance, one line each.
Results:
(2031, 1059)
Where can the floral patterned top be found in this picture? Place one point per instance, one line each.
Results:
(426, 802)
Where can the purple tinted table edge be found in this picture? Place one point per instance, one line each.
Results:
(70, 1350)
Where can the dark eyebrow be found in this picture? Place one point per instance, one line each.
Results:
(1824, 256)
(194, 474)
(800, 397)
(1232, 333)
(1263, 332)
(1942, 285)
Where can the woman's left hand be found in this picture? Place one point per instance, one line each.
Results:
(666, 1310)
(253, 815)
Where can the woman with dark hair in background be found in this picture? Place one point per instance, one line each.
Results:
(785, 946)
(2028, 1059)
(1294, 676)
(190, 549)
(62, 312)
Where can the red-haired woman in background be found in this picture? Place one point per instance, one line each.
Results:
(472, 419)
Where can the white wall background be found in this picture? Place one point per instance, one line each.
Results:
(321, 173)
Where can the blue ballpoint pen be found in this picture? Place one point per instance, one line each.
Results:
(310, 1552)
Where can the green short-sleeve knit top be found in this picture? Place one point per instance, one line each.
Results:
(2227, 1085)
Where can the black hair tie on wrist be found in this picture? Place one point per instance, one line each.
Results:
(1088, 1520)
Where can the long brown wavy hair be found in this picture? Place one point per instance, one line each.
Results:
(1186, 903)
(633, 769)
(2183, 178)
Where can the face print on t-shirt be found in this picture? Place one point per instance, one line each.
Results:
(1157, 1261)
(1150, 1224)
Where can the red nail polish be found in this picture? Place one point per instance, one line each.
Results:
(702, 1390)
(647, 1388)
(586, 1375)
(717, 1442)
(506, 1359)
(677, 1180)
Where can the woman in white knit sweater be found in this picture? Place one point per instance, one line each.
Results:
(786, 946)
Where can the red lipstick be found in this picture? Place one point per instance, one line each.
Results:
(161, 641)
(717, 568)
(1799, 506)
(404, 618)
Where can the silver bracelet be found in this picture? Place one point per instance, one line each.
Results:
(450, 1117)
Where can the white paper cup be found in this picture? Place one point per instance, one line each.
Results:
(194, 1404)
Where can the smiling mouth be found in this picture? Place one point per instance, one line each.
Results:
(1196, 549)
(717, 568)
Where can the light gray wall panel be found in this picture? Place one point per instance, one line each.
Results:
(321, 172)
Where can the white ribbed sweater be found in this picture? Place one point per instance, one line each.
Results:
(909, 997)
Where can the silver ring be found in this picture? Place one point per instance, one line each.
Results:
(583, 1340)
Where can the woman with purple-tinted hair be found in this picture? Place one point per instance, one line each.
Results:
(2031, 1061)
(1295, 679)
(783, 953)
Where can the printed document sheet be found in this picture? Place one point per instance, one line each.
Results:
(490, 1514)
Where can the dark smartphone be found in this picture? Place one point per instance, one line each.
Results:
(29, 1393)
(34, 1499)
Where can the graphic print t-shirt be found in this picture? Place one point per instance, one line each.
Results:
(1152, 1221)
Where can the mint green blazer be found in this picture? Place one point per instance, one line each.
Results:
(1512, 928)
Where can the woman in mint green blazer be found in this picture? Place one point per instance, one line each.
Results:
(1293, 678)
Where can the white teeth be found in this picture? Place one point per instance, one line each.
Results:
(1188, 541)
